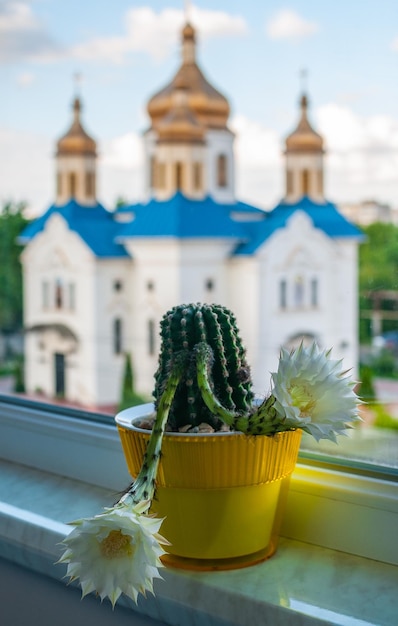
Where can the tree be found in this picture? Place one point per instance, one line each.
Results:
(12, 222)
(129, 396)
(378, 270)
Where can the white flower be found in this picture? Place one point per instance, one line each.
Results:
(313, 393)
(115, 552)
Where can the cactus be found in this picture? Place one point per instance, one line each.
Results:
(207, 335)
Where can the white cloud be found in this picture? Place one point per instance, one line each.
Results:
(124, 152)
(156, 34)
(22, 35)
(394, 44)
(25, 79)
(259, 163)
(27, 169)
(288, 24)
(362, 154)
(255, 145)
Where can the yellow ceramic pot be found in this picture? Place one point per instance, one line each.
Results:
(221, 494)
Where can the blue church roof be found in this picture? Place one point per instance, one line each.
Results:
(182, 217)
(324, 216)
(94, 224)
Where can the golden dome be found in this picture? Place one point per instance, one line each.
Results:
(76, 140)
(304, 138)
(209, 106)
(180, 124)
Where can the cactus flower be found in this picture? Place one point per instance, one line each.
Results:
(313, 393)
(115, 552)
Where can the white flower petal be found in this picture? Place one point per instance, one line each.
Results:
(313, 393)
(115, 552)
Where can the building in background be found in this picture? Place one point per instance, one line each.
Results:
(368, 212)
(97, 283)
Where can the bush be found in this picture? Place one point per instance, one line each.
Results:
(383, 418)
(366, 390)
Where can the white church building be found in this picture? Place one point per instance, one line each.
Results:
(97, 283)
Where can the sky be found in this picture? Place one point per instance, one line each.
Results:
(253, 51)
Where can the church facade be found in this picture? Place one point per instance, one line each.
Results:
(96, 283)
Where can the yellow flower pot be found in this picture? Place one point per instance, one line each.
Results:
(221, 494)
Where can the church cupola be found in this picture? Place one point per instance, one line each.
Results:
(304, 160)
(76, 163)
(189, 146)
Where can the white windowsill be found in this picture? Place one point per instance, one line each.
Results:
(42, 486)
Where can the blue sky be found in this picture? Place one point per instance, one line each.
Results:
(252, 51)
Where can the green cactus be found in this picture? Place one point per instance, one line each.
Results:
(207, 335)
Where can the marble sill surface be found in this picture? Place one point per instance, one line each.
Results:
(301, 585)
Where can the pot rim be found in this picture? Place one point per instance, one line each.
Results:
(126, 419)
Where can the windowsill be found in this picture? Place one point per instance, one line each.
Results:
(301, 584)
(337, 560)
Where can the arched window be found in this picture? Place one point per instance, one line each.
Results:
(90, 183)
(222, 170)
(209, 284)
(320, 181)
(72, 184)
(72, 296)
(178, 175)
(151, 337)
(161, 176)
(59, 294)
(117, 336)
(299, 291)
(305, 182)
(283, 294)
(45, 290)
(197, 176)
(314, 292)
(152, 173)
(289, 182)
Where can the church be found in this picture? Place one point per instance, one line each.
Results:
(96, 282)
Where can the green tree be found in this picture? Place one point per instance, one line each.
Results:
(129, 396)
(378, 269)
(12, 222)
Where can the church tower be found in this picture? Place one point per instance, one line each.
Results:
(189, 147)
(304, 160)
(76, 163)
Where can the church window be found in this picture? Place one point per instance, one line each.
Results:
(152, 172)
(72, 296)
(209, 284)
(151, 337)
(289, 182)
(178, 175)
(72, 184)
(59, 294)
(320, 182)
(90, 183)
(197, 176)
(305, 182)
(222, 170)
(299, 291)
(314, 292)
(45, 290)
(283, 294)
(117, 285)
(161, 176)
(117, 335)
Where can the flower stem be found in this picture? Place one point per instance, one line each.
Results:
(143, 488)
